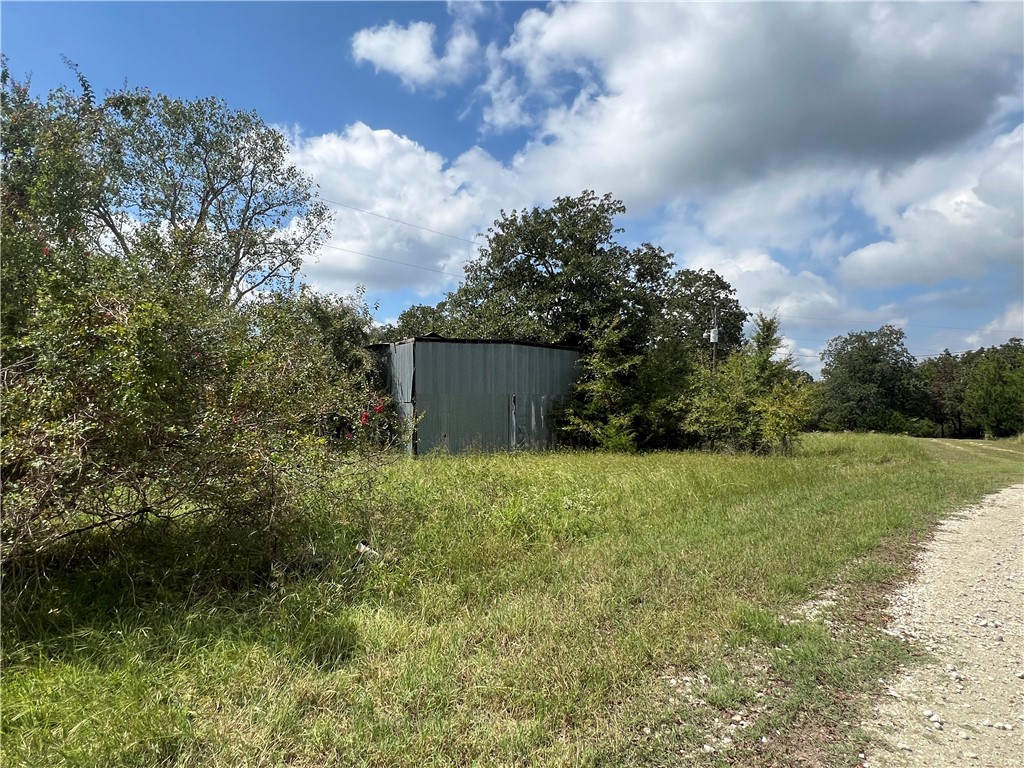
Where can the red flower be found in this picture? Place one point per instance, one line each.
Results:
(379, 406)
(365, 418)
(46, 250)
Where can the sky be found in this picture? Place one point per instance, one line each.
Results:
(842, 165)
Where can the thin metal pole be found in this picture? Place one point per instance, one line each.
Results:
(714, 340)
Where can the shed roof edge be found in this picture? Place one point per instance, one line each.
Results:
(443, 340)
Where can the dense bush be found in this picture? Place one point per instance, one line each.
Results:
(157, 359)
(752, 402)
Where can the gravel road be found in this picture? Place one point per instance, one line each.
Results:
(966, 605)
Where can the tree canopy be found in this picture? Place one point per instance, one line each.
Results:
(993, 394)
(557, 275)
(868, 380)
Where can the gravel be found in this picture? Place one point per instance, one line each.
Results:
(966, 607)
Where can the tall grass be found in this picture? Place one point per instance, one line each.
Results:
(521, 612)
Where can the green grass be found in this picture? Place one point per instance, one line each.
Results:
(524, 612)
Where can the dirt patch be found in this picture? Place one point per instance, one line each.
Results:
(965, 706)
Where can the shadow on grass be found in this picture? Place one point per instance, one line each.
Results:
(158, 591)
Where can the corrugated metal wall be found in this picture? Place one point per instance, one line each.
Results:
(478, 395)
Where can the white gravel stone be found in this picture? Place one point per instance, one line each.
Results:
(965, 579)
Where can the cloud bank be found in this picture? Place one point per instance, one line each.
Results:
(830, 160)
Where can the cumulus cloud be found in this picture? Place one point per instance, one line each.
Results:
(765, 284)
(506, 108)
(821, 157)
(811, 309)
(397, 178)
(794, 211)
(1008, 325)
(963, 227)
(408, 52)
(700, 97)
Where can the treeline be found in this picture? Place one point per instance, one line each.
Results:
(871, 382)
(652, 376)
(158, 358)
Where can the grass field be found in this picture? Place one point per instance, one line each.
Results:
(533, 609)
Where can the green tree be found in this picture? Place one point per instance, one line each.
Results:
(206, 192)
(48, 182)
(680, 347)
(603, 409)
(557, 275)
(943, 380)
(868, 381)
(692, 299)
(755, 401)
(994, 394)
(420, 320)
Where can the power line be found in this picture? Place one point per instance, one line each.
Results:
(390, 261)
(400, 221)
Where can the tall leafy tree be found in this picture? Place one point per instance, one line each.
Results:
(868, 381)
(206, 193)
(694, 299)
(944, 382)
(994, 394)
(48, 183)
(680, 347)
(557, 275)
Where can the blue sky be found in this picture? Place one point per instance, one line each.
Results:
(844, 165)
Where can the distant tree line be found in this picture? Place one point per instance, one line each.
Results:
(871, 382)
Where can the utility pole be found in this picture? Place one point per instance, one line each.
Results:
(712, 336)
(714, 341)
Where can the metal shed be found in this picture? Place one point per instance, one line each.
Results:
(474, 394)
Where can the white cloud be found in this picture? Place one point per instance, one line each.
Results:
(811, 309)
(507, 103)
(765, 284)
(788, 210)
(841, 124)
(652, 99)
(967, 221)
(408, 52)
(1010, 324)
(395, 177)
